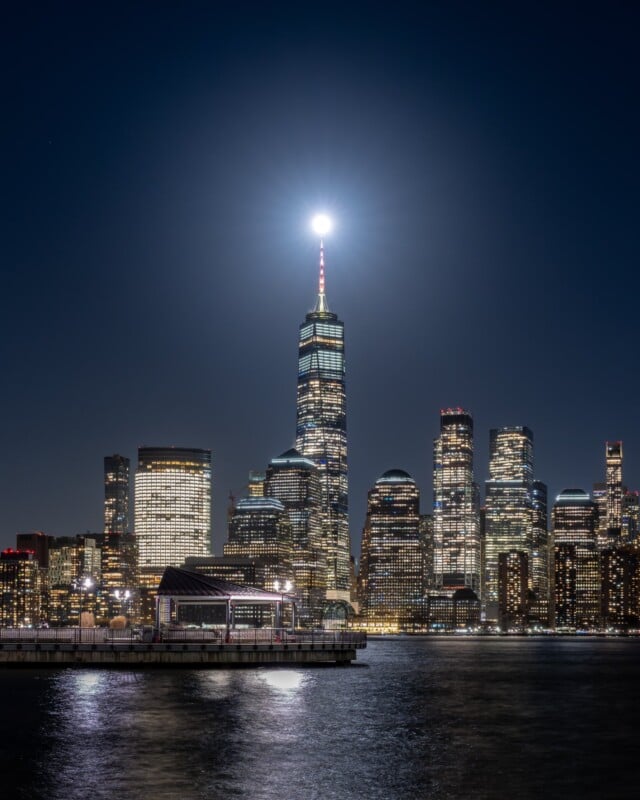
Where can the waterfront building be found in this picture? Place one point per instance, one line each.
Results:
(321, 430)
(295, 481)
(574, 525)
(620, 598)
(513, 590)
(508, 504)
(565, 570)
(426, 539)
(539, 564)
(456, 529)
(451, 610)
(392, 555)
(21, 589)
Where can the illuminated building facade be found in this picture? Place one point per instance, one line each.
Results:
(119, 558)
(295, 482)
(21, 589)
(173, 506)
(116, 494)
(172, 514)
(620, 598)
(508, 505)
(614, 489)
(393, 555)
(321, 431)
(630, 516)
(260, 529)
(456, 528)
(574, 526)
(540, 561)
(71, 560)
(513, 590)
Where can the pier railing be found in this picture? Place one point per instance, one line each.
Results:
(213, 636)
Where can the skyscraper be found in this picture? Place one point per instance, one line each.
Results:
(456, 529)
(260, 529)
(393, 554)
(614, 490)
(509, 501)
(116, 494)
(539, 565)
(118, 551)
(321, 430)
(576, 556)
(173, 506)
(295, 482)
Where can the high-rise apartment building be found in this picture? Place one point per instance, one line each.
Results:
(456, 530)
(295, 482)
(321, 430)
(575, 540)
(393, 555)
(508, 504)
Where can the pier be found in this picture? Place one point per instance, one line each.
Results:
(63, 647)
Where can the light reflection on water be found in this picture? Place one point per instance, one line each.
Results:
(435, 719)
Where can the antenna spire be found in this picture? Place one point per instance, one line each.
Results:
(321, 303)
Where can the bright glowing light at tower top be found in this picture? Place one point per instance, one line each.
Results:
(321, 224)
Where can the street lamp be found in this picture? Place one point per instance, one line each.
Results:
(85, 585)
(283, 589)
(122, 596)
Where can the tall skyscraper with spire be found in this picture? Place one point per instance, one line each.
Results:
(321, 430)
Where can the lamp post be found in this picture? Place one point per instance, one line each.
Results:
(85, 585)
(122, 596)
(284, 589)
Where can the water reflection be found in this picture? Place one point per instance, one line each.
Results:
(436, 719)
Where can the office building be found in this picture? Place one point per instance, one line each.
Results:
(393, 555)
(540, 562)
(173, 506)
(295, 482)
(508, 504)
(620, 592)
(260, 529)
(456, 529)
(321, 431)
(513, 590)
(575, 542)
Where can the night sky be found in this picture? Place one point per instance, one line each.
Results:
(160, 165)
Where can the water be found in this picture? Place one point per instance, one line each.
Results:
(415, 718)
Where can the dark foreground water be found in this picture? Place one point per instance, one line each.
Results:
(416, 718)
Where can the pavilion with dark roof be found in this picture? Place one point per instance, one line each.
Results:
(188, 597)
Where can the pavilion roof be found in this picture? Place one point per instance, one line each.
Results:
(178, 582)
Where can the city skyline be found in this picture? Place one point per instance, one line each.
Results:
(160, 262)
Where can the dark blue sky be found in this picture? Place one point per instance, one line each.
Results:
(160, 164)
